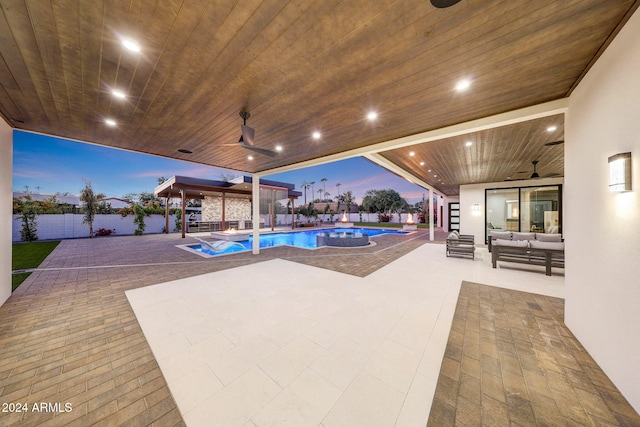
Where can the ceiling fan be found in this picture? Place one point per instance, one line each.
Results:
(247, 138)
(534, 175)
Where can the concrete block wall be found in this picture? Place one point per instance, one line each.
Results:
(70, 226)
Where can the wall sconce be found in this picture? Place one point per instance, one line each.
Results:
(620, 172)
(476, 208)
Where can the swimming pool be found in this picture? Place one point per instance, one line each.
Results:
(300, 239)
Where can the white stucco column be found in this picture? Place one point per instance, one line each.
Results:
(255, 197)
(430, 210)
(6, 209)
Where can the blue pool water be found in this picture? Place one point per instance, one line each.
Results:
(301, 239)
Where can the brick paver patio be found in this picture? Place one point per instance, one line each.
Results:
(69, 336)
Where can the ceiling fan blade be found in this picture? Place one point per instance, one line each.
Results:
(261, 150)
(247, 134)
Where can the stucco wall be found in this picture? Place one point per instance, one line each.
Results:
(474, 222)
(70, 226)
(6, 205)
(602, 228)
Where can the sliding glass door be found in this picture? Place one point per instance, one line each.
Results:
(536, 209)
(540, 209)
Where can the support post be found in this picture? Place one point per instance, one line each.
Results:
(183, 196)
(431, 226)
(166, 215)
(255, 192)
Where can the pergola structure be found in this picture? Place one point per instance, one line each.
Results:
(196, 188)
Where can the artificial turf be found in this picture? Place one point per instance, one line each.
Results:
(29, 255)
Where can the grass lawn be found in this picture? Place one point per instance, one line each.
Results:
(386, 224)
(29, 255)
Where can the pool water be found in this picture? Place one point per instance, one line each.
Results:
(301, 239)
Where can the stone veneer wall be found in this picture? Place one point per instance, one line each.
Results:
(235, 209)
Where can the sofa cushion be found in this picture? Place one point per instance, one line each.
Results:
(547, 245)
(505, 235)
(542, 237)
(523, 236)
(512, 243)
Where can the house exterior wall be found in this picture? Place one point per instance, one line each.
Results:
(474, 222)
(6, 206)
(602, 228)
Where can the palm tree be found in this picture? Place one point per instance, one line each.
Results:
(338, 185)
(304, 186)
(320, 193)
(324, 187)
(312, 189)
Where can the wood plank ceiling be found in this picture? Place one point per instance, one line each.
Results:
(300, 67)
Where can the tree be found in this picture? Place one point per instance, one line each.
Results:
(305, 186)
(162, 180)
(28, 215)
(308, 211)
(383, 202)
(338, 186)
(324, 187)
(320, 193)
(348, 200)
(90, 205)
(313, 190)
(178, 220)
(227, 177)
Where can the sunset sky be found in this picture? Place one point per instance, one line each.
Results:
(48, 165)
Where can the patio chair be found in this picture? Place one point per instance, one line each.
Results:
(460, 245)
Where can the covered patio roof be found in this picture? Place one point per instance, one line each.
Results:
(308, 67)
(240, 187)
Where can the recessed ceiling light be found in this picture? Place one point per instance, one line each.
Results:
(372, 115)
(316, 135)
(468, 144)
(131, 45)
(428, 170)
(435, 176)
(110, 122)
(421, 163)
(118, 94)
(551, 128)
(463, 85)
(278, 148)
(249, 157)
(412, 153)
(185, 151)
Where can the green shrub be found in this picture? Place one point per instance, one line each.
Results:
(138, 219)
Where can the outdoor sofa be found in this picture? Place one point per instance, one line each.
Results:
(527, 248)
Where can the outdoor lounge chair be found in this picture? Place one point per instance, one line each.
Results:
(218, 245)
